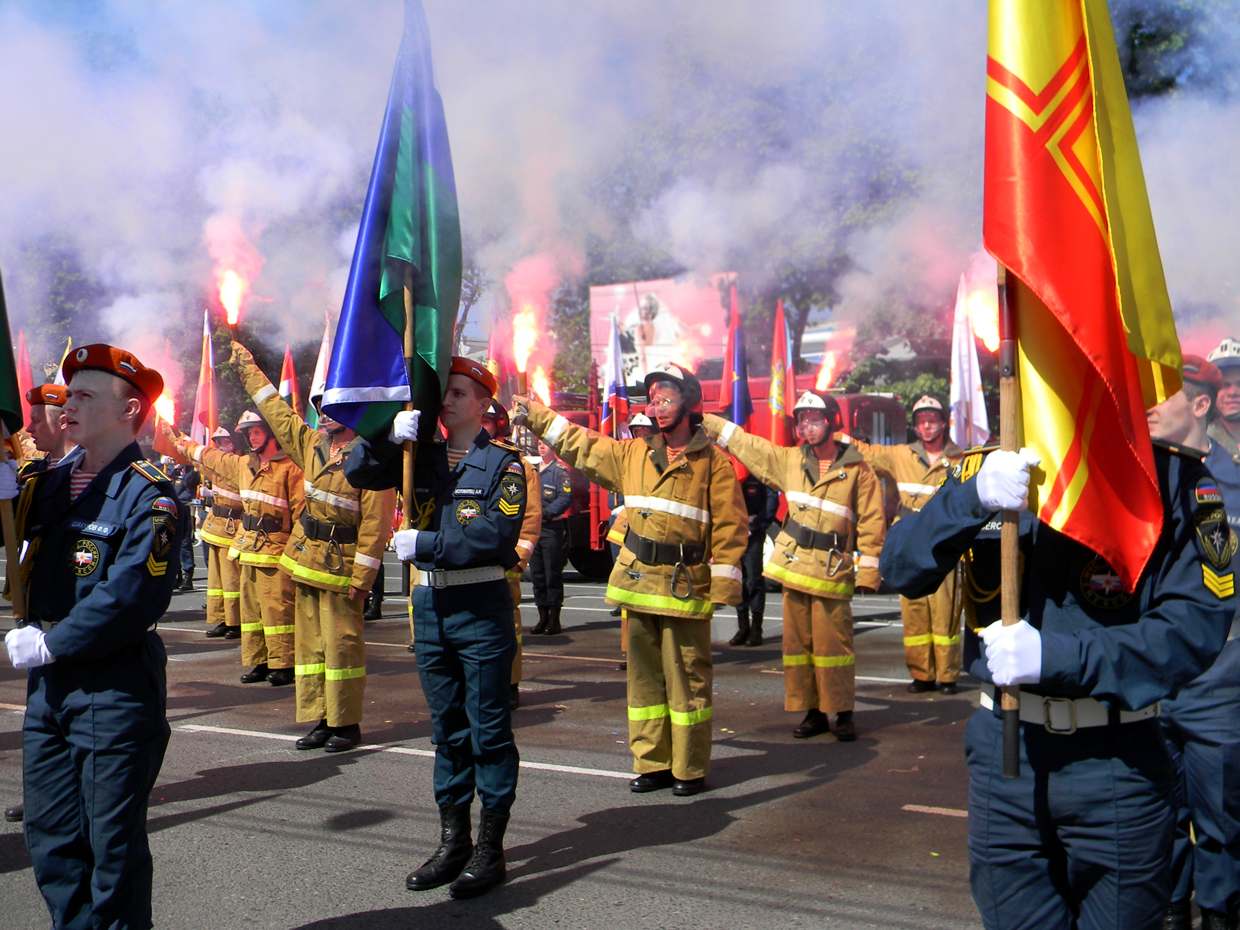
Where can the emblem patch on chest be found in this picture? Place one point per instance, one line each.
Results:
(466, 511)
(1101, 587)
(1218, 542)
(85, 558)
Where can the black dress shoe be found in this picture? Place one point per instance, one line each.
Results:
(1179, 916)
(374, 612)
(217, 631)
(1215, 920)
(233, 632)
(815, 722)
(280, 676)
(344, 738)
(916, 686)
(258, 673)
(845, 729)
(15, 814)
(412, 647)
(948, 687)
(652, 781)
(316, 738)
(683, 788)
(622, 667)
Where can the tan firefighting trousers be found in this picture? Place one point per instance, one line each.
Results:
(932, 634)
(514, 587)
(267, 625)
(819, 661)
(331, 657)
(669, 683)
(223, 588)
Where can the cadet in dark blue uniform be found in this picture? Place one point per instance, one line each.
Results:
(1081, 838)
(104, 528)
(462, 617)
(1202, 722)
(547, 562)
(762, 505)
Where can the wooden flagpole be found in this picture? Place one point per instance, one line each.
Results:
(1009, 539)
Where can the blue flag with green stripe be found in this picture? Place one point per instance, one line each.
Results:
(410, 232)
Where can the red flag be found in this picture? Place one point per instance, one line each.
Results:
(25, 377)
(206, 417)
(288, 384)
(782, 395)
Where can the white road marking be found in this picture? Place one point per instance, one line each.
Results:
(12, 706)
(944, 811)
(404, 751)
(892, 681)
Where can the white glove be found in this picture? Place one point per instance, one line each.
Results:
(406, 542)
(8, 480)
(1013, 653)
(405, 426)
(1003, 479)
(27, 648)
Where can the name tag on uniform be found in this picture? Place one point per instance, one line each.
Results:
(95, 528)
(468, 492)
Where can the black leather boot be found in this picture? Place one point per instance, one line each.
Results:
(553, 627)
(755, 631)
(217, 631)
(1213, 920)
(544, 617)
(259, 673)
(487, 868)
(742, 627)
(187, 581)
(15, 814)
(455, 848)
(374, 610)
(845, 729)
(1179, 916)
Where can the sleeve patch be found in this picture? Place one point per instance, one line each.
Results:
(512, 489)
(163, 536)
(1207, 492)
(166, 505)
(1218, 542)
(1221, 586)
(515, 468)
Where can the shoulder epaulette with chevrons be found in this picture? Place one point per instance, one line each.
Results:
(152, 473)
(1187, 451)
(505, 444)
(972, 460)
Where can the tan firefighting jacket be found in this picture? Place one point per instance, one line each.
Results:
(531, 526)
(268, 489)
(329, 498)
(848, 502)
(909, 467)
(696, 500)
(219, 530)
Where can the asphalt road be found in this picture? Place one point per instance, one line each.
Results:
(246, 831)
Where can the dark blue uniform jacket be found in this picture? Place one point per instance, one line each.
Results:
(468, 518)
(1097, 640)
(557, 491)
(100, 563)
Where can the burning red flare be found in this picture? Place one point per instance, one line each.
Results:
(984, 315)
(826, 372)
(524, 336)
(166, 408)
(233, 290)
(541, 386)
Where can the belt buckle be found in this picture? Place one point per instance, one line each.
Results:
(1046, 714)
(438, 578)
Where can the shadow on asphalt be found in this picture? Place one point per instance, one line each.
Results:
(269, 777)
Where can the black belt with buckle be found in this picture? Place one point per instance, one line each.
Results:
(812, 539)
(657, 553)
(323, 531)
(228, 513)
(265, 524)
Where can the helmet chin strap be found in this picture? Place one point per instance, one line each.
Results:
(675, 423)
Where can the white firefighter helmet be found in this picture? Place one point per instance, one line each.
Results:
(221, 433)
(250, 418)
(640, 419)
(810, 400)
(926, 402)
(1226, 354)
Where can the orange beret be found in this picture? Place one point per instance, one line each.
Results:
(475, 370)
(1198, 369)
(114, 361)
(53, 394)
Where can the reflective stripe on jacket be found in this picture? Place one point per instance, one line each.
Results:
(909, 467)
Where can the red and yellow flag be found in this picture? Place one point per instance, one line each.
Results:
(288, 384)
(782, 394)
(1067, 213)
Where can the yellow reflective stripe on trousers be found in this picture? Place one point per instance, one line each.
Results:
(682, 719)
(923, 640)
(830, 588)
(222, 542)
(318, 668)
(658, 603)
(228, 595)
(216, 592)
(300, 571)
(821, 661)
(656, 712)
(254, 558)
(277, 630)
(946, 640)
(251, 627)
(344, 674)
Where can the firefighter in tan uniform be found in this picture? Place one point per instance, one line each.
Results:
(272, 497)
(332, 557)
(218, 531)
(835, 507)
(681, 557)
(931, 624)
(498, 425)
